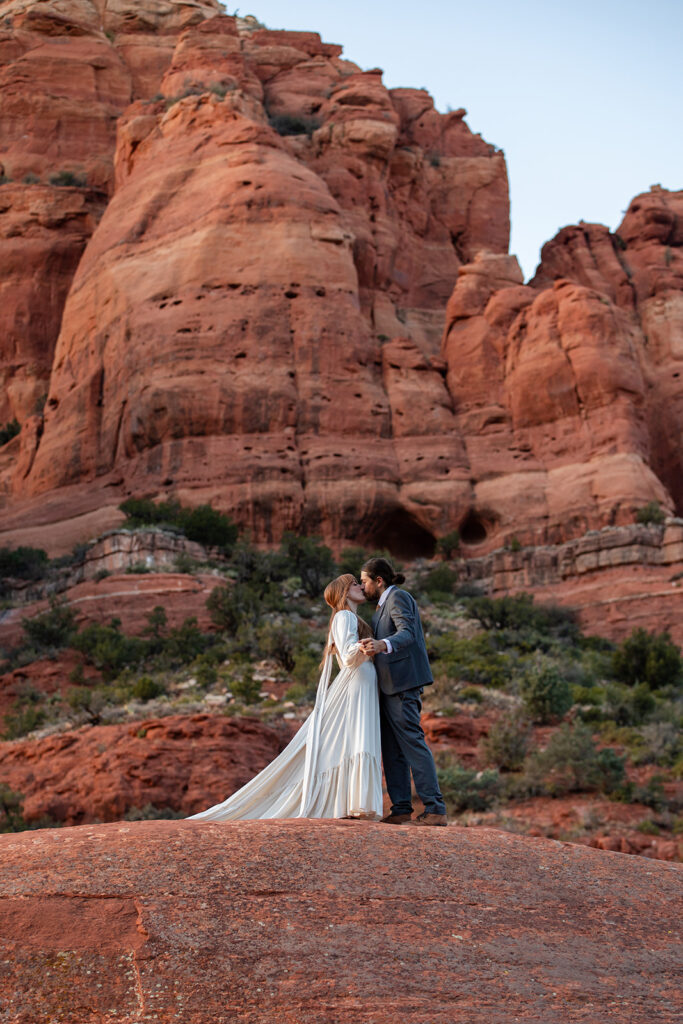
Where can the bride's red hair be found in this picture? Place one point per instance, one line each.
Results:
(335, 595)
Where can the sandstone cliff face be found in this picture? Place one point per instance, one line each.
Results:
(303, 921)
(228, 249)
(298, 303)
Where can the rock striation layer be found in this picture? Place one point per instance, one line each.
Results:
(303, 921)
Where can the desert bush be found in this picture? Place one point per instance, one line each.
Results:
(53, 629)
(650, 658)
(507, 743)
(350, 561)
(202, 524)
(572, 763)
(205, 525)
(233, 606)
(246, 688)
(470, 693)
(294, 124)
(22, 719)
(464, 789)
(11, 807)
(9, 431)
(438, 583)
(652, 513)
(519, 616)
(310, 560)
(22, 563)
(108, 649)
(281, 641)
(448, 545)
(545, 691)
(146, 688)
(182, 645)
(91, 700)
(67, 179)
(628, 705)
(476, 660)
(658, 743)
(306, 672)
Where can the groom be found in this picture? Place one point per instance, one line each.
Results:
(403, 670)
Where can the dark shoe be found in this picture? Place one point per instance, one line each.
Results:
(427, 818)
(396, 819)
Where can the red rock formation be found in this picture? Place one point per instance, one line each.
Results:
(99, 773)
(255, 320)
(303, 921)
(309, 250)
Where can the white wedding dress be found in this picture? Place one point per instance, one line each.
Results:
(332, 767)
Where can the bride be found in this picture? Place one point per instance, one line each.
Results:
(332, 766)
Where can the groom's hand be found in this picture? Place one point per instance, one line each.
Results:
(371, 646)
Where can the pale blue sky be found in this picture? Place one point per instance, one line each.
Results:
(586, 98)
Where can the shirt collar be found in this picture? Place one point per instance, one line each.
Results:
(384, 595)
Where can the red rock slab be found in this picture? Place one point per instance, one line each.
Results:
(182, 762)
(302, 922)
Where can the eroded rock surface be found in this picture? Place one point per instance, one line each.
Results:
(303, 921)
(100, 773)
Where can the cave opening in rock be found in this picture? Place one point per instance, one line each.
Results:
(402, 535)
(473, 529)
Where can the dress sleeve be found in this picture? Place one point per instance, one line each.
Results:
(345, 636)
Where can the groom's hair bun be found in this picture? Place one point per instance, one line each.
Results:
(375, 567)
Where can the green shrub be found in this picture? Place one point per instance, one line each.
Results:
(627, 705)
(476, 660)
(52, 629)
(648, 827)
(183, 644)
(471, 693)
(306, 672)
(89, 699)
(519, 616)
(507, 743)
(11, 808)
(22, 719)
(350, 561)
(464, 789)
(22, 563)
(281, 641)
(299, 693)
(9, 431)
(246, 689)
(294, 124)
(206, 526)
(652, 513)
(205, 672)
(67, 179)
(448, 545)
(146, 688)
(572, 763)
(544, 690)
(310, 560)
(650, 658)
(108, 649)
(438, 583)
(202, 524)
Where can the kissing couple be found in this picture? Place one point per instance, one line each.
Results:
(332, 767)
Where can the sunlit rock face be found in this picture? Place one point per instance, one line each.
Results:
(282, 288)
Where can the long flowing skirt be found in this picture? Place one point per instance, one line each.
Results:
(346, 778)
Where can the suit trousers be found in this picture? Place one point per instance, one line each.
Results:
(405, 750)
